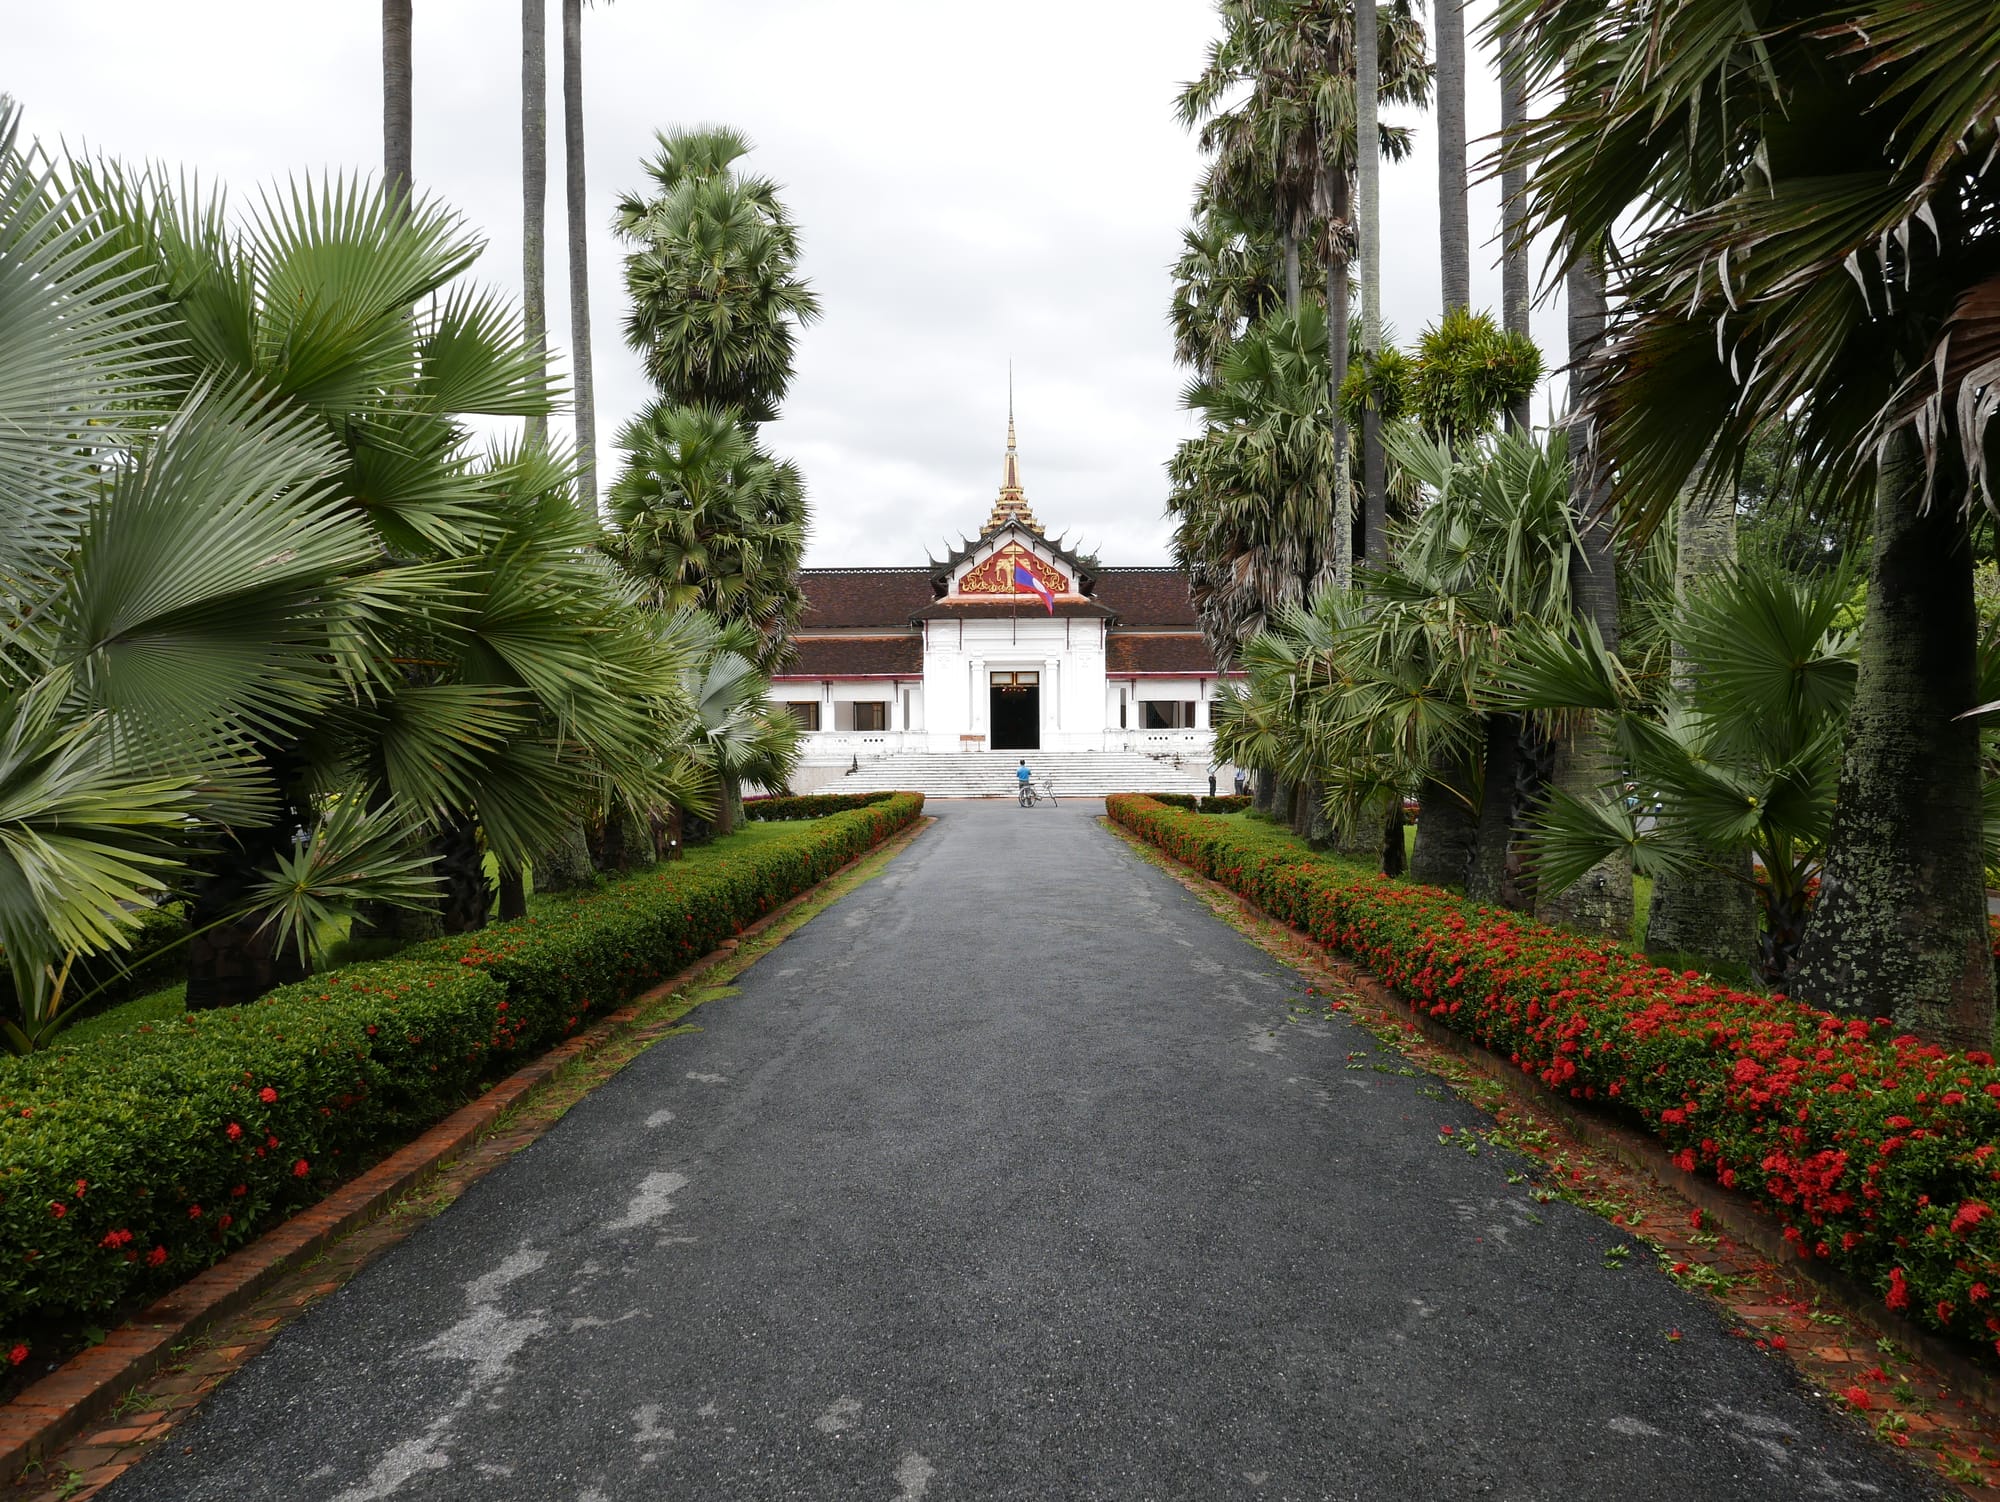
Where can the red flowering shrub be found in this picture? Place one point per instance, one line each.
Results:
(109, 1151)
(1878, 1153)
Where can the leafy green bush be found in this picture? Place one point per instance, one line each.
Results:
(1879, 1154)
(810, 805)
(135, 1160)
(143, 1157)
(1187, 801)
(609, 944)
(1226, 803)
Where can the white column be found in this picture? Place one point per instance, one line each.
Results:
(1201, 706)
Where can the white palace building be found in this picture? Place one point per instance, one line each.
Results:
(1012, 647)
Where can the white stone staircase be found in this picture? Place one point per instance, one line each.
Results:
(990, 774)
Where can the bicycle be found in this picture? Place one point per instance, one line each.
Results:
(1030, 795)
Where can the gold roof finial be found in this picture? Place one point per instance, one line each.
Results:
(1012, 506)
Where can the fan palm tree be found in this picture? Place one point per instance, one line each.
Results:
(1251, 496)
(704, 517)
(178, 584)
(1224, 281)
(1806, 232)
(487, 661)
(1740, 758)
(716, 298)
(734, 733)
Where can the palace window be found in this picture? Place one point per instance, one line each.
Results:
(1166, 714)
(871, 715)
(1016, 680)
(806, 712)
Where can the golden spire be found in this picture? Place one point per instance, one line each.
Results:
(1012, 505)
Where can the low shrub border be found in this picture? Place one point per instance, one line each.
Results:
(133, 1161)
(1878, 1154)
(810, 805)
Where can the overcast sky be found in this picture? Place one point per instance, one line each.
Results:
(973, 183)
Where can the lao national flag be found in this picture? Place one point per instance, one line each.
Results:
(1024, 578)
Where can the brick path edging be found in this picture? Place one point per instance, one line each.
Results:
(86, 1387)
(1743, 1220)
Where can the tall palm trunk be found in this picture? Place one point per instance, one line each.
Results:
(1513, 186)
(584, 389)
(1448, 824)
(1288, 237)
(1709, 911)
(396, 97)
(1602, 900)
(1899, 929)
(1486, 875)
(535, 192)
(1454, 235)
(1338, 353)
(1368, 154)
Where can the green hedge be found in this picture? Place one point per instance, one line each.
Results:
(1878, 1153)
(1226, 803)
(134, 1160)
(810, 805)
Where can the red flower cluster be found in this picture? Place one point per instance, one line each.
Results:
(1876, 1151)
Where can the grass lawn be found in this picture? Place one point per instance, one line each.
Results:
(170, 1001)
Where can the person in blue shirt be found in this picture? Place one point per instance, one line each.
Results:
(1021, 776)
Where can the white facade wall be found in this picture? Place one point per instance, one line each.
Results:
(949, 709)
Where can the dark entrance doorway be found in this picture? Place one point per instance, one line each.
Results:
(1017, 712)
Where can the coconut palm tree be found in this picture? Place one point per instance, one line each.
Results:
(1805, 230)
(396, 110)
(704, 518)
(716, 298)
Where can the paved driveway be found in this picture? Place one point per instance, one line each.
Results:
(1013, 1175)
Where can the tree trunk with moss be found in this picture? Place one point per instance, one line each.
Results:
(1899, 928)
(1710, 911)
(1601, 902)
(565, 866)
(1282, 794)
(620, 842)
(1486, 872)
(1447, 825)
(1263, 791)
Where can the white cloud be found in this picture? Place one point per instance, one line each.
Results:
(974, 184)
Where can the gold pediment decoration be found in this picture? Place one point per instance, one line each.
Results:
(995, 576)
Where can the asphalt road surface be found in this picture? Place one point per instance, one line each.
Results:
(1015, 1174)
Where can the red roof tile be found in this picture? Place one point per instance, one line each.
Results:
(837, 597)
(855, 657)
(1128, 653)
(1146, 596)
